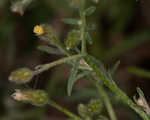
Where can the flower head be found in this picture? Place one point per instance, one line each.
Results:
(46, 32)
(38, 30)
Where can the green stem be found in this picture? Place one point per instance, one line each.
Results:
(105, 98)
(115, 89)
(108, 83)
(83, 27)
(106, 101)
(63, 48)
(45, 67)
(64, 110)
(139, 72)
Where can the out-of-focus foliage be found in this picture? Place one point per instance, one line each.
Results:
(122, 32)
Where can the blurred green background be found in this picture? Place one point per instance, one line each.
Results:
(122, 33)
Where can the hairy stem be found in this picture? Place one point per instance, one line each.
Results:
(108, 83)
(83, 27)
(106, 101)
(116, 90)
(45, 67)
(104, 96)
(64, 110)
(84, 51)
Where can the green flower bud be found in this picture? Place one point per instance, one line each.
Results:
(95, 106)
(34, 97)
(46, 32)
(82, 110)
(141, 101)
(21, 76)
(73, 39)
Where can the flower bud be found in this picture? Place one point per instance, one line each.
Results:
(34, 97)
(141, 101)
(46, 32)
(95, 106)
(83, 110)
(21, 76)
(73, 39)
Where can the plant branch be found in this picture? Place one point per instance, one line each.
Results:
(116, 90)
(64, 110)
(105, 98)
(83, 27)
(106, 101)
(100, 75)
(45, 67)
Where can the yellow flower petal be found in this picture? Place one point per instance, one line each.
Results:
(38, 30)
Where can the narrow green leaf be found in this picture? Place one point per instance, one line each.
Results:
(99, 64)
(115, 67)
(134, 98)
(50, 50)
(102, 68)
(89, 39)
(90, 11)
(140, 92)
(82, 74)
(139, 72)
(72, 78)
(71, 21)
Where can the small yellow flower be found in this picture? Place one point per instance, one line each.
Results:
(38, 30)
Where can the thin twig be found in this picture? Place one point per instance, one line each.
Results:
(116, 90)
(64, 110)
(45, 67)
(83, 27)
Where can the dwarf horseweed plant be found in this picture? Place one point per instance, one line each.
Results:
(83, 65)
